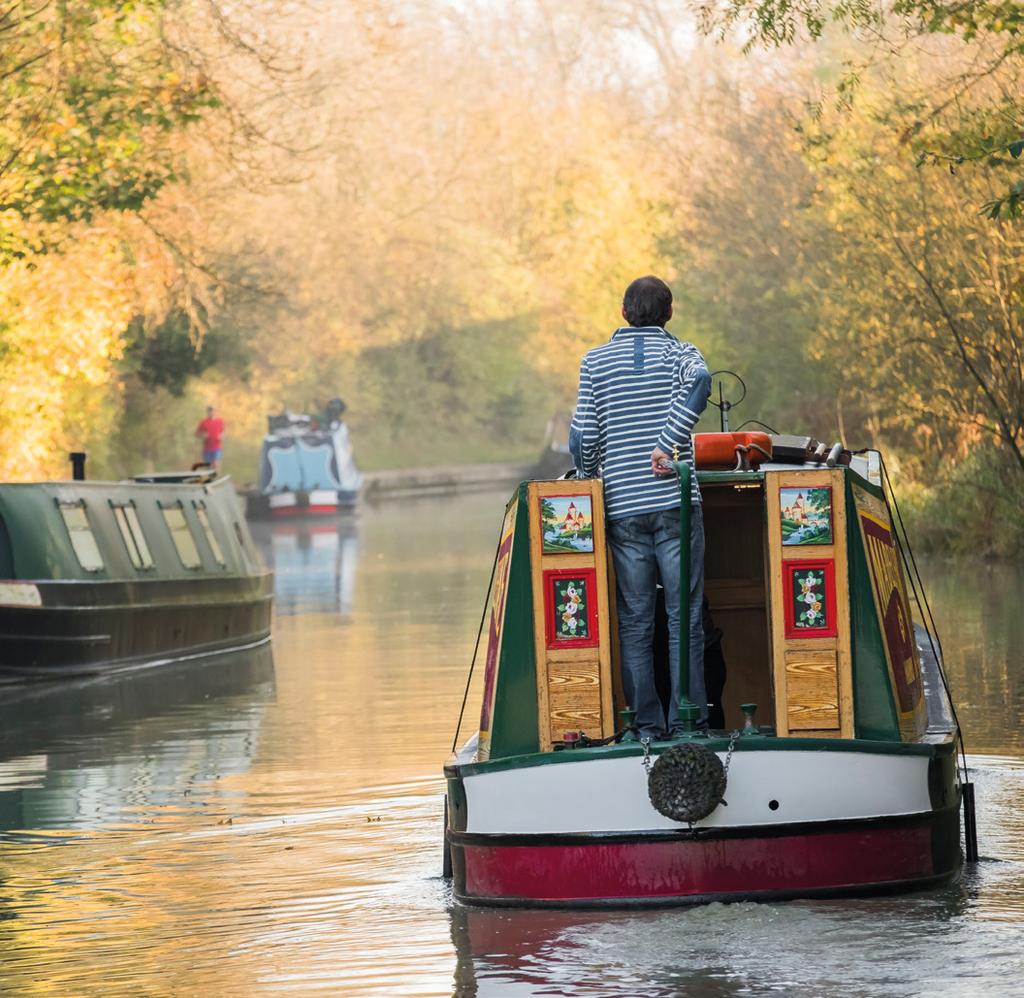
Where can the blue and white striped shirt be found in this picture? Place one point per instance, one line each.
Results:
(640, 390)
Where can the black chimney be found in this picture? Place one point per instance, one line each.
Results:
(78, 465)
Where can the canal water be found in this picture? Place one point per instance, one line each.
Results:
(270, 824)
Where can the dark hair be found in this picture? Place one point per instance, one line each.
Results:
(647, 302)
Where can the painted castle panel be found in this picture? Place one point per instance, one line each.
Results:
(567, 524)
(806, 515)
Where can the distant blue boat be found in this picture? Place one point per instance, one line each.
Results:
(306, 467)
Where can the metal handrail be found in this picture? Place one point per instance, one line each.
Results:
(688, 711)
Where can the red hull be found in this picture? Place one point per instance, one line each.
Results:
(875, 856)
(289, 512)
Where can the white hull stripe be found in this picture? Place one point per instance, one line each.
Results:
(323, 497)
(610, 795)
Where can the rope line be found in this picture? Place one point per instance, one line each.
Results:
(476, 647)
(924, 608)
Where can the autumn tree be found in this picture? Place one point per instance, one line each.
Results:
(926, 288)
(964, 115)
(97, 141)
(92, 97)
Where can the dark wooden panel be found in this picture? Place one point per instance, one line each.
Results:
(746, 646)
(734, 594)
(734, 533)
(734, 570)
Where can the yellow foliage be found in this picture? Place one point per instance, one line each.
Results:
(61, 336)
(497, 170)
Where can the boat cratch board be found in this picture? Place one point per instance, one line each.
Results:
(570, 596)
(892, 606)
(496, 617)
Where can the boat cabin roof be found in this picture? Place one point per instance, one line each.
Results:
(175, 526)
(863, 467)
(198, 476)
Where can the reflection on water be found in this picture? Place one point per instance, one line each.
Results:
(85, 752)
(314, 564)
(977, 610)
(216, 830)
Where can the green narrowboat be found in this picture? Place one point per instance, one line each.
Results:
(101, 576)
(844, 781)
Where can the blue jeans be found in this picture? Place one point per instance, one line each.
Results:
(644, 547)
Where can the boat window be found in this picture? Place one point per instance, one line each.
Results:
(211, 538)
(181, 534)
(131, 533)
(82, 539)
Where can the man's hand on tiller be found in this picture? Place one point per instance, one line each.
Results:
(659, 469)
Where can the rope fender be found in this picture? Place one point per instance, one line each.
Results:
(687, 782)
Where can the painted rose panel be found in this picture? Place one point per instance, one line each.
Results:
(809, 599)
(572, 606)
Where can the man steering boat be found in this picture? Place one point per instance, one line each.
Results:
(640, 396)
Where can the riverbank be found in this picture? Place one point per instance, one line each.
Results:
(400, 483)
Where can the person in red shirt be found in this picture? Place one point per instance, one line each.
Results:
(211, 431)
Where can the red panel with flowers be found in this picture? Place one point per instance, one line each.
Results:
(570, 604)
(809, 590)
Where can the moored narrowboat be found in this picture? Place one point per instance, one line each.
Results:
(835, 771)
(99, 576)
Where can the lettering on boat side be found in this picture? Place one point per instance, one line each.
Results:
(20, 594)
(496, 617)
(890, 599)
